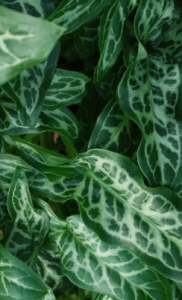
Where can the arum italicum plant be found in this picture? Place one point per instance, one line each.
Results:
(91, 149)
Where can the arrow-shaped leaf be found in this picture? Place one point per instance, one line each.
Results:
(41, 9)
(24, 42)
(60, 120)
(111, 35)
(149, 94)
(67, 88)
(112, 130)
(30, 226)
(95, 266)
(73, 13)
(29, 88)
(19, 281)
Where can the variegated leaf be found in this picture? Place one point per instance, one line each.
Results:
(38, 182)
(170, 50)
(18, 280)
(101, 297)
(152, 18)
(40, 8)
(111, 35)
(29, 88)
(24, 42)
(41, 159)
(95, 266)
(73, 13)
(148, 222)
(30, 226)
(47, 264)
(148, 95)
(112, 130)
(116, 205)
(60, 120)
(67, 88)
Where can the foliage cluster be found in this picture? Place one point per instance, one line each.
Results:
(90, 149)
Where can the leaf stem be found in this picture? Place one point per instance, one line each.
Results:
(44, 140)
(70, 147)
(81, 294)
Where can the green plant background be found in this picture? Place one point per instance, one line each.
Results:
(90, 149)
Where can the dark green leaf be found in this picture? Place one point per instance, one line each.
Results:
(73, 13)
(67, 88)
(28, 89)
(30, 226)
(18, 281)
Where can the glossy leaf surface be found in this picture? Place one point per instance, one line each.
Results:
(19, 34)
(60, 120)
(30, 226)
(112, 130)
(93, 265)
(28, 89)
(41, 8)
(149, 94)
(18, 280)
(74, 13)
(116, 205)
(67, 88)
(111, 35)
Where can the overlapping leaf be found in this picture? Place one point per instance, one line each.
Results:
(90, 108)
(149, 94)
(29, 88)
(102, 297)
(41, 8)
(111, 35)
(130, 47)
(112, 130)
(37, 181)
(48, 266)
(152, 19)
(177, 294)
(116, 205)
(83, 43)
(30, 226)
(74, 13)
(18, 279)
(24, 42)
(44, 160)
(107, 87)
(60, 120)
(96, 266)
(67, 88)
